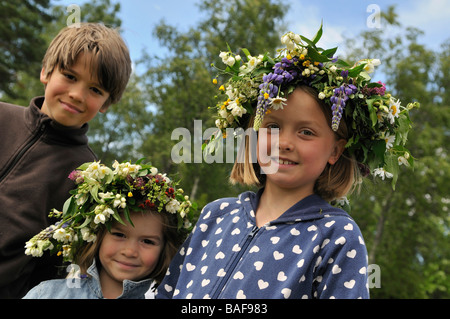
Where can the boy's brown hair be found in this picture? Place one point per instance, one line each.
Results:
(111, 61)
(335, 181)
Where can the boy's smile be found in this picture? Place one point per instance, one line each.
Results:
(73, 96)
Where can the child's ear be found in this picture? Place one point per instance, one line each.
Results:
(105, 107)
(339, 148)
(43, 78)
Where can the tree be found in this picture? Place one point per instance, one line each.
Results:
(21, 40)
(407, 231)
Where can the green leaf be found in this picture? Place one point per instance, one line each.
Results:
(330, 52)
(127, 215)
(85, 223)
(318, 34)
(246, 52)
(117, 217)
(69, 206)
(356, 70)
(316, 56)
(372, 110)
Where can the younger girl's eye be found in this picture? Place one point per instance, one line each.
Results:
(148, 242)
(118, 234)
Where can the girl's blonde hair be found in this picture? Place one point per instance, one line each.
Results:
(172, 240)
(335, 181)
(110, 62)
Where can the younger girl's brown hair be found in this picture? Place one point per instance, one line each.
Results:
(335, 181)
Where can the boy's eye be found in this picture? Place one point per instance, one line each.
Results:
(96, 91)
(69, 76)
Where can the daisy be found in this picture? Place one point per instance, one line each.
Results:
(278, 102)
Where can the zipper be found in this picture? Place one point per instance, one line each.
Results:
(235, 261)
(24, 149)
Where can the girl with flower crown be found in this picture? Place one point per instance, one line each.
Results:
(120, 228)
(318, 129)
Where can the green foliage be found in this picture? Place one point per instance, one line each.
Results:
(406, 231)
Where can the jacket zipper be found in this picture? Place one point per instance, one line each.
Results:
(24, 149)
(235, 261)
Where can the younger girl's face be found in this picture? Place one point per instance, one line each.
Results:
(299, 142)
(131, 252)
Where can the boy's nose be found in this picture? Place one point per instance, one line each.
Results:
(77, 93)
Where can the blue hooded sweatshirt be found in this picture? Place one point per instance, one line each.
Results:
(313, 250)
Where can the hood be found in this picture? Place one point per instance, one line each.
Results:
(309, 208)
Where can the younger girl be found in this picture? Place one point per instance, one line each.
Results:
(118, 257)
(286, 240)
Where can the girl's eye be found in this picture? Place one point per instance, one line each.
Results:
(306, 132)
(117, 234)
(272, 128)
(148, 242)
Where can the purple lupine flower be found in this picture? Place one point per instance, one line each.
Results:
(338, 100)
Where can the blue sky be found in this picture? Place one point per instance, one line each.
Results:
(340, 17)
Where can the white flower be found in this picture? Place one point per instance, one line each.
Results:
(389, 140)
(403, 161)
(61, 235)
(173, 206)
(120, 201)
(278, 102)
(99, 219)
(238, 111)
(370, 64)
(382, 173)
(153, 171)
(87, 235)
(322, 95)
(227, 58)
(394, 109)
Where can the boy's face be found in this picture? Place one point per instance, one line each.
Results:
(73, 96)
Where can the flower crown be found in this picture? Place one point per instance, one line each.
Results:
(378, 123)
(102, 193)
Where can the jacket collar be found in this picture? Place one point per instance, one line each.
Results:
(131, 289)
(309, 208)
(54, 132)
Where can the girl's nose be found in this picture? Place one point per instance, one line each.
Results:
(285, 142)
(130, 250)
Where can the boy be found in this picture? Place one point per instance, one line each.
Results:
(84, 71)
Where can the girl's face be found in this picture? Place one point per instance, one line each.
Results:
(131, 252)
(301, 147)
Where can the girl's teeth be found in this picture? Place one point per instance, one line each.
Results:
(285, 162)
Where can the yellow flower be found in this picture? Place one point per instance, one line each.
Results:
(289, 57)
(130, 194)
(222, 88)
(302, 57)
(214, 81)
(266, 96)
